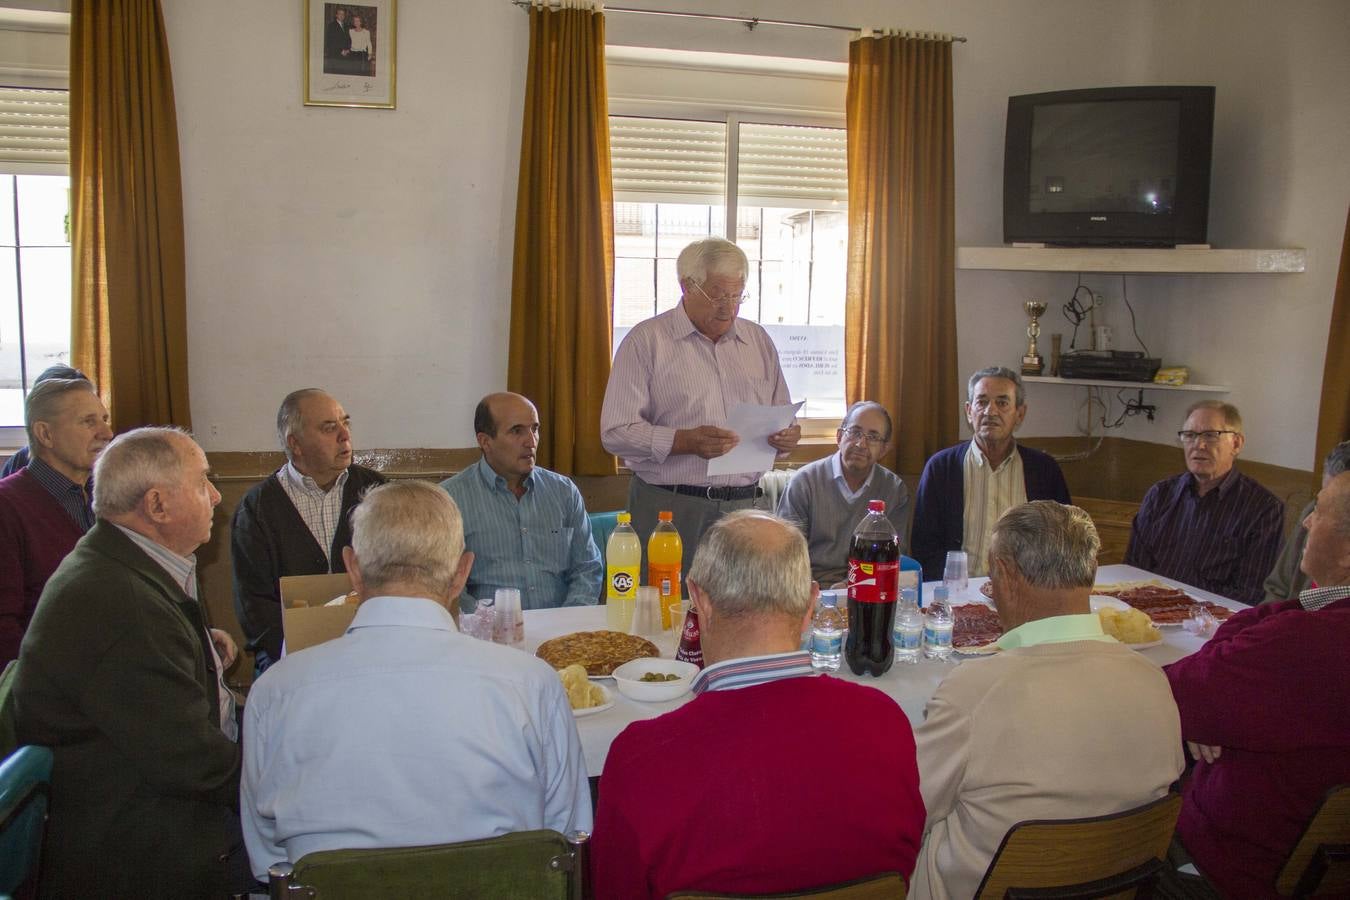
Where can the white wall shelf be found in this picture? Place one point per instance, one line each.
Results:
(1127, 385)
(1116, 259)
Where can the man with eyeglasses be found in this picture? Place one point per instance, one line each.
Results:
(674, 380)
(1212, 526)
(827, 498)
(964, 489)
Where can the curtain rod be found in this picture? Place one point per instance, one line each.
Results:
(750, 22)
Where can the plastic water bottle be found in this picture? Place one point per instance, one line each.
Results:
(827, 634)
(937, 626)
(908, 632)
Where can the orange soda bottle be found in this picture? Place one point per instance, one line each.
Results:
(664, 552)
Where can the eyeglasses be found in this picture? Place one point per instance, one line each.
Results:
(719, 301)
(854, 433)
(1195, 437)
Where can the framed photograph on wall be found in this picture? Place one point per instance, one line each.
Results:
(350, 51)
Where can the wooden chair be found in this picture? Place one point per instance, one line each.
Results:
(1119, 855)
(1319, 864)
(887, 886)
(537, 864)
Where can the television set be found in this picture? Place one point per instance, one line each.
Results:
(1119, 166)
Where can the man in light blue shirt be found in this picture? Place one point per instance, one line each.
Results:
(403, 731)
(526, 526)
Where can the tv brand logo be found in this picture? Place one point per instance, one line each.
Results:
(1096, 218)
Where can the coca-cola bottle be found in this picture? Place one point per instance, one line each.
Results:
(873, 570)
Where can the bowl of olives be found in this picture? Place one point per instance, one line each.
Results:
(654, 680)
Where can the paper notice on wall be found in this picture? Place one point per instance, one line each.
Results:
(753, 423)
(812, 357)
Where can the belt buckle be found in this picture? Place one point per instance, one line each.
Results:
(708, 493)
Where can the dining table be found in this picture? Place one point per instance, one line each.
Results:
(909, 684)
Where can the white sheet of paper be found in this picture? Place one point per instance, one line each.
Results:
(753, 423)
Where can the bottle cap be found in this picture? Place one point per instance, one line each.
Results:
(940, 592)
(666, 515)
(876, 505)
(829, 598)
(625, 517)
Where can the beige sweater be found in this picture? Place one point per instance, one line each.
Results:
(1052, 731)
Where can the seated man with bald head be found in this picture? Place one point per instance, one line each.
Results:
(1064, 723)
(295, 521)
(526, 526)
(714, 796)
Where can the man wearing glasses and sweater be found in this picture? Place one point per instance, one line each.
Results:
(1211, 527)
(827, 498)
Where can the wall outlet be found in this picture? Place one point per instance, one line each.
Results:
(1103, 337)
(215, 429)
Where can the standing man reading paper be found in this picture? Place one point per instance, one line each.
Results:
(673, 384)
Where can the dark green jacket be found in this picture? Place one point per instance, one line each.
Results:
(115, 675)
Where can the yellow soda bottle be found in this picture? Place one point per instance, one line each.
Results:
(664, 551)
(623, 561)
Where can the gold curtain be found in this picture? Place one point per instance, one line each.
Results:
(129, 318)
(562, 285)
(900, 309)
(1333, 420)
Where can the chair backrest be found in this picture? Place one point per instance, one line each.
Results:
(1319, 864)
(886, 886)
(1090, 855)
(537, 864)
(602, 526)
(25, 781)
(9, 737)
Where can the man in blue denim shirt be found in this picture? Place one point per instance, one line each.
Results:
(527, 526)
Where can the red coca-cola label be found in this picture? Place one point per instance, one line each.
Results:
(872, 582)
(691, 643)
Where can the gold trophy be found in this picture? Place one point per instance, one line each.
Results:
(1032, 364)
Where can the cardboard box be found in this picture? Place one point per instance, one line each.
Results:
(305, 619)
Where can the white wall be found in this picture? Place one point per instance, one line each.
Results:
(401, 284)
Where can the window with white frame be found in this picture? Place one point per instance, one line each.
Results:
(786, 185)
(35, 262)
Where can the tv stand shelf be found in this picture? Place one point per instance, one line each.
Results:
(1126, 385)
(1117, 259)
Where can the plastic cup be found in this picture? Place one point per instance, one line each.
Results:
(647, 613)
(956, 573)
(509, 625)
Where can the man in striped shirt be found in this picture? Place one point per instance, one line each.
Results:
(674, 381)
(1212, 526)
(720, 794)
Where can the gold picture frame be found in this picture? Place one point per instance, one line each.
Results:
(351, 52)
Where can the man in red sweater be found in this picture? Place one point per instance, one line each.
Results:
(1263, 708)
(45, 507)
(771, 779)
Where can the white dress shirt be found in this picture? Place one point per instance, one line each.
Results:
(989, 493)
(405, 732)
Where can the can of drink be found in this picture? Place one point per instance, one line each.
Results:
(691, 643)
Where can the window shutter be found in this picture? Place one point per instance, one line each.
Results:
(667, 160)
(34, 131)
(792, 166)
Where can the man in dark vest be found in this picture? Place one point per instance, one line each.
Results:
(295, 522)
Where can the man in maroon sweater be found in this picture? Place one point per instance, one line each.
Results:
(1263, 708)
(44, 507)
(770, 779)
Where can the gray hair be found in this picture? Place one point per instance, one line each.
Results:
(288, 415)
(997, 372)
(408, 532)
(864, 405)
(711, 256)
(1337, 461)
(1231, 417)
(1053, 545)
(45, 399)
(746, 572)
(135, 462)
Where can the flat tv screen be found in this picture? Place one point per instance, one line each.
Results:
(1125, 166)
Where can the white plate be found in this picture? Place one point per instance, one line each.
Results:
(590, 711)
(1098, 602)
(1145, 645)
(985, 650)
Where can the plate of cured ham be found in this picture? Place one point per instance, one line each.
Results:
(1165, 605)
(976, 628)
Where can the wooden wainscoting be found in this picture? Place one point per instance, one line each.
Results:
(1112, 518)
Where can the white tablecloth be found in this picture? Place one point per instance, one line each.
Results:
(908, 685)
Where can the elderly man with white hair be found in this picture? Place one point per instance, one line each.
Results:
(120, 676)
(674, 380)
(714, 796)
(403, 731)
(1065, 722)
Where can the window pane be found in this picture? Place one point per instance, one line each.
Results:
(667, 285)
(44, 204)
(11, 386)
(46, 307)
(634, 291)
(7, 211)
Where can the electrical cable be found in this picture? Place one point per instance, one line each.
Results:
(1076, 312)
(1125, 295)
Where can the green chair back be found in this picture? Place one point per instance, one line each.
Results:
(25, 782)
(602, 525)
(537, 864)
(9, 738)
